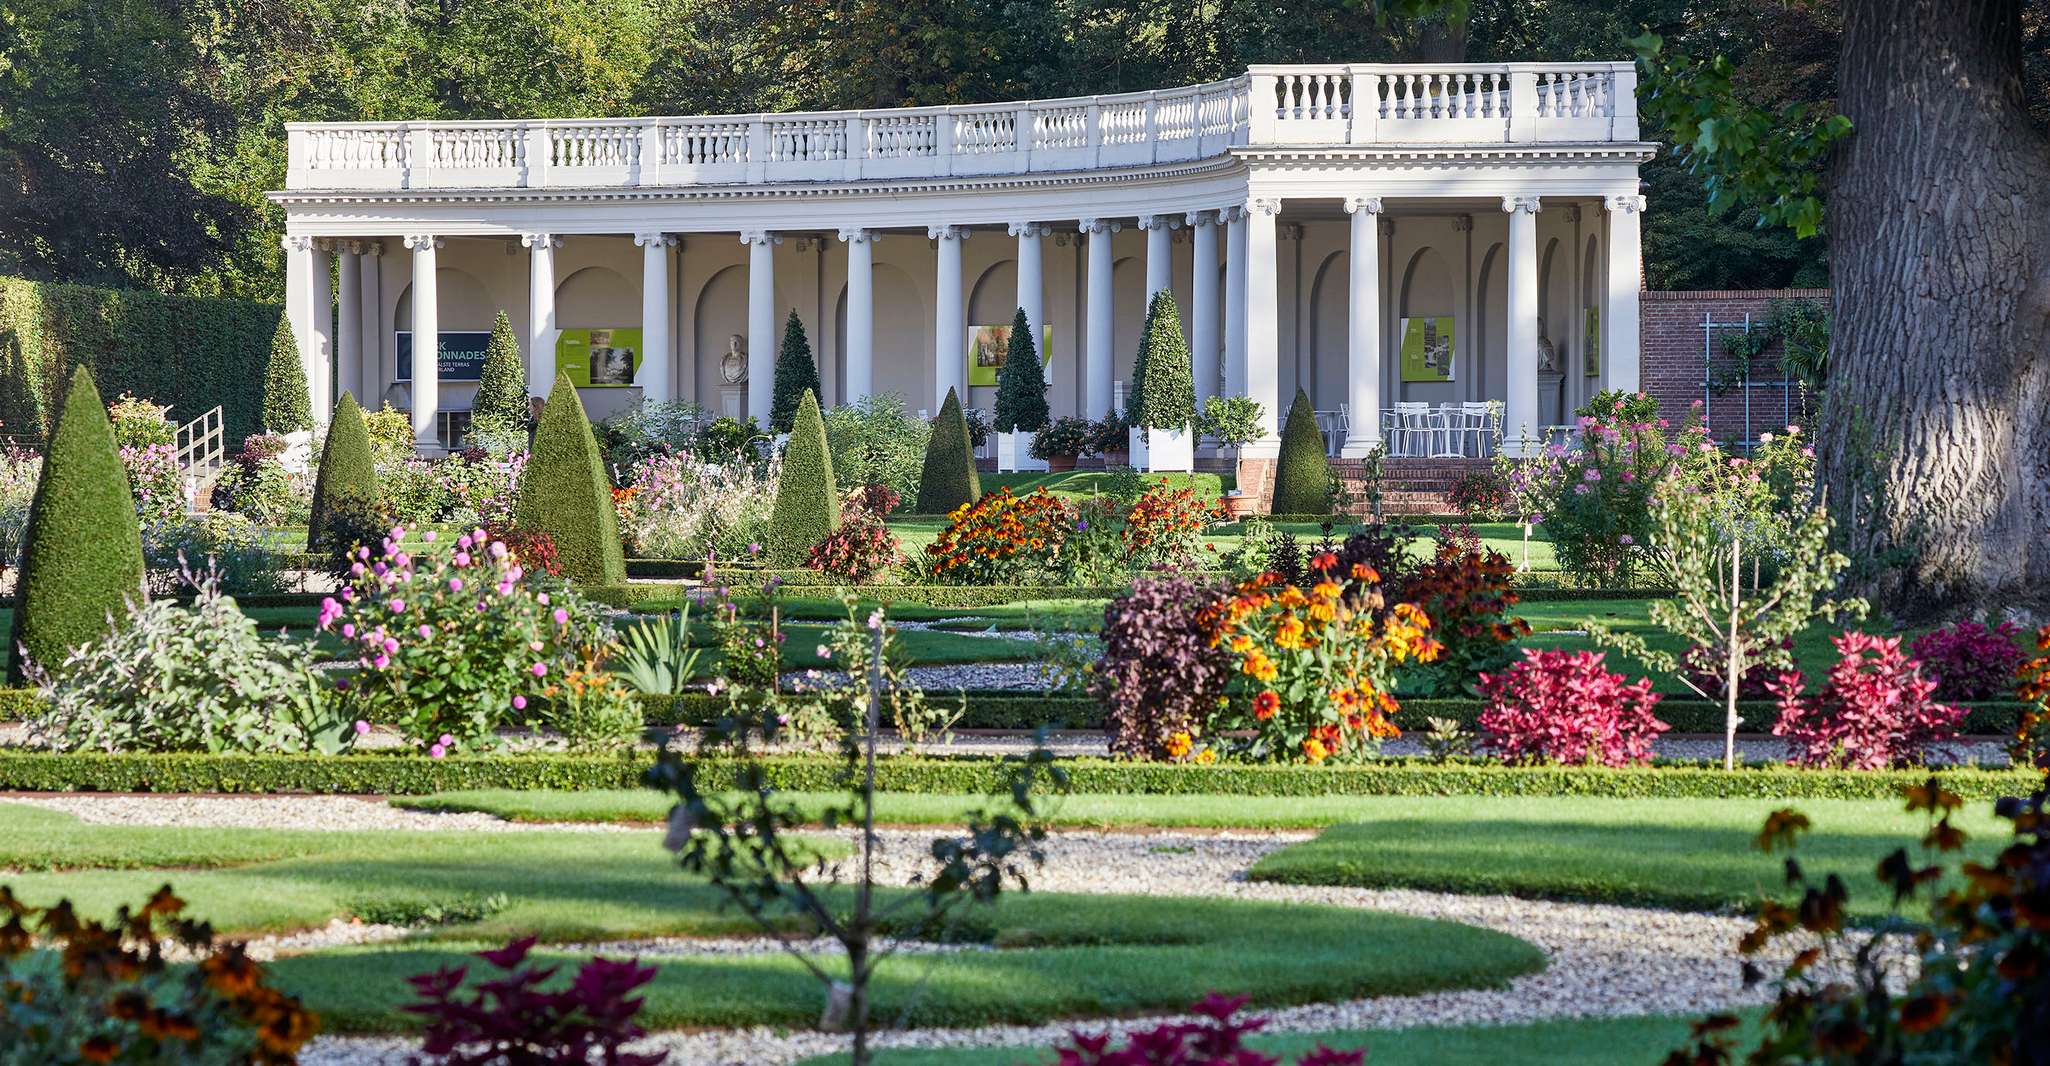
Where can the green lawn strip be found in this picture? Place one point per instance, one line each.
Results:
(1636, 1041)
(1685, 854)
(33, 838)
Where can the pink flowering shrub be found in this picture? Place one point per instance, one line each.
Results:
(157, 483)
(863, 546)
(455, 643)
(1564, 707)
(1875, 710)
(1971, 662)
(1217, 1041)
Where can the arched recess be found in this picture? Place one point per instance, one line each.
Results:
(1589, 347)
(597, 297)
(1128, 318)
(1490, 380)
(1555, 306)
(721, 319)
(992, 301)
(1330, 314)
(903, 339)
(1427, 292)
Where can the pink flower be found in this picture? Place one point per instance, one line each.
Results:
(462, 558)
(428, 536)
(349, 630)
(497, 550)
(436, 752)
(455, 584)
(561, 616)
(426, 631)
(390, 645)
(446, 739)
(381, 662)
(1626, 539)
(541, 598)
(519, 703)
(355, 569)
(362, 728)
(398, 607)
(540, 669)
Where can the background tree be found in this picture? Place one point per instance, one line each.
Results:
(797, 373)
(502, 385)
(1163, 385)
(1021, 383)
(286, 406)
(1302, 474)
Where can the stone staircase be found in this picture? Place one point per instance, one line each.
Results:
(1408, 486)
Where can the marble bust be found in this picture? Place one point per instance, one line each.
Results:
(733, 365)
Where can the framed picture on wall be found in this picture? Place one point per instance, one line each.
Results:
(1427, 348)
(598, 358)
(462, 354)
(987, 347)
(1591, 339)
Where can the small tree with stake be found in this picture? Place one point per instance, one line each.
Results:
(739, 835)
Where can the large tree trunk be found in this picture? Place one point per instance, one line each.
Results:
(1936, 428)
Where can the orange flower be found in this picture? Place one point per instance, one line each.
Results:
(1265, 704)
(1314, 750)
(99, 1049)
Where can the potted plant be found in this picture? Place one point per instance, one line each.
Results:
(1060, 441)
(1109, 439)
(1021, 401)
(1163, 406)
(1235, 422)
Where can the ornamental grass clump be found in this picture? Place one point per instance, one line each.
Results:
(1566, 708)
(681, 506)
(1160, 674)
(457, 642)
(1876, 709)
(1315, 666)
(1969, 661)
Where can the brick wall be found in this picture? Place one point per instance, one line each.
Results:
(1672, 366)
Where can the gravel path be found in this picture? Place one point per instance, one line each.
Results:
(277, 812)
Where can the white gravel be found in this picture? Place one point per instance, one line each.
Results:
(276, 812)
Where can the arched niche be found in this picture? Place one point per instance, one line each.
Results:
(992, 301)
(461, 301)
(1490, 379)
(1128, 319)
(597, 297)
(720, 315)
(903, 339)
(1427, 291)
(1587, 368)
(1330, 328)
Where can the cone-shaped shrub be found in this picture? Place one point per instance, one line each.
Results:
(1021, 384)
(796, 374)
(347, 477)
(1302, 476)
(565, 494)
(949, 479)
(81, 559)
(807, 503)
(502, 385)
(286, 406)
(1163, 385)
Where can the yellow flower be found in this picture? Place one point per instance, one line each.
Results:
(1206, 756)
(1326, 589)
(1178, 745)
(1322, 613)
(1289, 634)
(1314, 750)
(1241, 644)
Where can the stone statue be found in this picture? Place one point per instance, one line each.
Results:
(733, 365)
(1548, 360)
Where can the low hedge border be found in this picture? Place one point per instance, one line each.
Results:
(664, 596)
(418, 775)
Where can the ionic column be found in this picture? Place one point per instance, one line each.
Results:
(1521, 433)
(1159, 253)
(1234, 300)
(1263, 328)
(761, 322)
(1031, 276)
(1620, 353)
(654, 377)
(1203, 305)
(372, 325)
(1098, 359)
(861, 321)
(348, 318)
(309, 306)
(949, 319)
(540, 311)
(426, 343)
(1363, 329)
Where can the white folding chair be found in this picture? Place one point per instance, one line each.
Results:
(1473, 420)
(1415, 422)
(1344, 426)
(1446, 421)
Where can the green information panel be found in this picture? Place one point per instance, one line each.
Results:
(988, 345)
(599, 358)
(1427, 348)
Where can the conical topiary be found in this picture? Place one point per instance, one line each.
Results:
(565, 494)
(347, 477)
(286, 406)
(1302, 476)
(796, 374)
(949, 479)
(1163, 385)
(81, 559)
(1021, 384)
(807, 503)
(502, 385)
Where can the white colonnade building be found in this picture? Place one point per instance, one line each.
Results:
(1372, 234)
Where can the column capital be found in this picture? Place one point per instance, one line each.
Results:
(1029, 229)
(417, 241)
(539, 240)
(1370, 204)
(1572, 212)
(1232, 213)
(760, 236)
(1152, 222)
(373, 246)
(947, 232)
(345, 247)
(857, 235)
(1263, 205)
(1201, 218)
(1628, 205)
(1462, 223)
(1098, 225)
(1513, 204)
(297, 242)
(651, 240)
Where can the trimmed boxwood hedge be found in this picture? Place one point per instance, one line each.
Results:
(408, 774)
(1302, 473)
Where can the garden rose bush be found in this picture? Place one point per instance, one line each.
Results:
(1001, 539)
(682, 507)
(1315, 667)
(1565, 707)
(458, 641)
(1971, 662)
(1161, 673)
(1875, 710)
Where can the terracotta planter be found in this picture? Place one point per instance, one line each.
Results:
(1242, 505)
(1060, 464)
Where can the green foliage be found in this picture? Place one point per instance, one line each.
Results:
(347, 476)
(1233, 420)
(81, 561)
(1803, 329)
(181, 351)
(807, 503)
(1163, 385)
(565, 494)
(1021, 384)
(949, 479)
(1766, 159)
(391, 433)
(502, 385)
(797, 373)
(286, 406)
(656, 656)
(1302, 476)
(138, 423)
(875, 442)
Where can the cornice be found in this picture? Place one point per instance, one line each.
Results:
(1353, 155)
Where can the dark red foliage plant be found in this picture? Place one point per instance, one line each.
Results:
(1217, 1040)
(533, 548)
(1565, 707)
(1159, 676)
(515, 1019)
(1875, 710)
(1971, 662)
(1466, 592)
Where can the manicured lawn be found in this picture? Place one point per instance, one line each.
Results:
(1058, 956)
(1685, 854)
(1640, 1041)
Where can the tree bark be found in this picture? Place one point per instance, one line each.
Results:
(1936, 424)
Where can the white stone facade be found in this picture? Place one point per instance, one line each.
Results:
(1499, 196)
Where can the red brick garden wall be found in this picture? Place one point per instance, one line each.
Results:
(1672, 343)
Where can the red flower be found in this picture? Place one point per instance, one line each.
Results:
(1265, 704)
